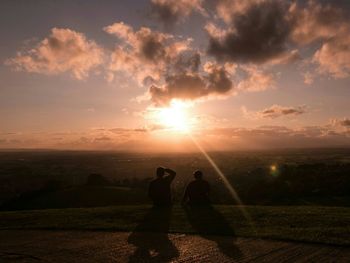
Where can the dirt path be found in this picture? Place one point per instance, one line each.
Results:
(74, 246)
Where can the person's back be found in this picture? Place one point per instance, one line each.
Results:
(197, 191)
(159, 189)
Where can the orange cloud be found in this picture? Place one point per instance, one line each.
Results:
(64, 50)
(334, 56)
(329, 24)
(315, 21)
(256, 80)
(144, 53)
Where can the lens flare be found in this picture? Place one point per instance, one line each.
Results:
(274, 171)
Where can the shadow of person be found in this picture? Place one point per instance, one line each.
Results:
(151, 238)
(211, 225)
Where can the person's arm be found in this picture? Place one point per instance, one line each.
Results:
(171, 173)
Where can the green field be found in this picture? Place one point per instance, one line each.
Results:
(330, 225)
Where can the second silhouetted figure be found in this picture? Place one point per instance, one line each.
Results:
(197, 191)
(159, 189)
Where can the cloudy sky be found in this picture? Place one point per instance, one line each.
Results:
(150, 74)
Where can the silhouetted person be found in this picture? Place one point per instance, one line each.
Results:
(197, 191)
(159, 189)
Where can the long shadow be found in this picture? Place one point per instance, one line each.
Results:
(154, 246)
(211, 225)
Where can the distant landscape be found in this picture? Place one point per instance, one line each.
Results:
(60, 179)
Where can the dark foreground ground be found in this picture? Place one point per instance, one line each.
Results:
(327, 225)
(209, 234)
(97, 246)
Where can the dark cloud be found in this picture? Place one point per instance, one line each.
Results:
(124, 130)
(189, 63)
(182, 86)
(276, 111)
(170, 12)
(218, 79)
(103, 138)
(345, 122)
(257, 34)
(260, 31)
(152, 49)
(191, 86)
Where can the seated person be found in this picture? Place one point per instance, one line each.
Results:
(197, 191)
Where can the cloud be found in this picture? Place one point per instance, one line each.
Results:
(345, 122)
(315, 21)
(191, 86)
(271, 32)
(275, 111)
(189, 63)
(270, 137)
(329, 24)
(257, 31)
(256, 80)
(170, 12)
(334, 56)
(103, 138)
(64, 50)
(144, 53)
(169, 66)
(228, 9)
(308, 78)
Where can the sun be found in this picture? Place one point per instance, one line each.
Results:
(174, 117)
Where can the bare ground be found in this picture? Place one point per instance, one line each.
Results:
(93, 246)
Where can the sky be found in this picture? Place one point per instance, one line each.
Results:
(154, 75)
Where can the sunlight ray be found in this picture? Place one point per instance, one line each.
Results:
(226, 183)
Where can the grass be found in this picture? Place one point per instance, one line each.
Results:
(329, 225)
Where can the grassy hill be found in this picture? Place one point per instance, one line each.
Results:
(329, 225)
(78, 196)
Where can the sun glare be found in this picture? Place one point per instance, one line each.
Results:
(175, 117)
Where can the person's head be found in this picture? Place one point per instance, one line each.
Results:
(198, 174)
(160, 172)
